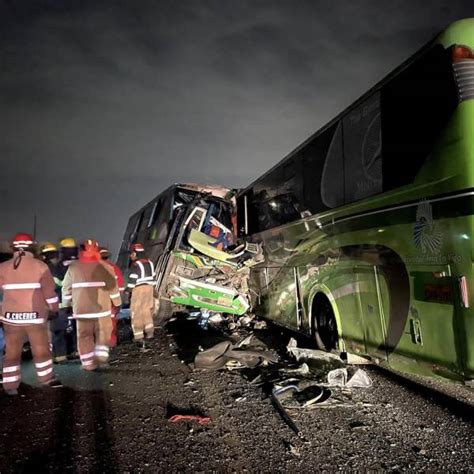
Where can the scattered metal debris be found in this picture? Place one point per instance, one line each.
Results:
(231, 355)
(282, 412)
(314, 357)
(303, 370)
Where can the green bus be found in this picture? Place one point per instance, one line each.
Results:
(367, 226)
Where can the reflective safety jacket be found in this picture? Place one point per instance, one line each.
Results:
(28, 290)
(89, 287)
(142, 272)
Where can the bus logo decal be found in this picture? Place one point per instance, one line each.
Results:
(426, 234)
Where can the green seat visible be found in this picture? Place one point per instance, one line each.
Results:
(202, 243)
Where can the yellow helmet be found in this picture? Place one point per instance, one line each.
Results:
(67, 243)
(48, 247)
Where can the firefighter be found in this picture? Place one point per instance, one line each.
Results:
(29, 298)
(141, 280)
(89, 286)
(58, 262)
(66, 333)
(68, 250)
(50, 255)
(105, 255)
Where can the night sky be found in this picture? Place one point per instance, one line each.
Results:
(103, 104)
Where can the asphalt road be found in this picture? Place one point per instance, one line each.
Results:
(117, 420)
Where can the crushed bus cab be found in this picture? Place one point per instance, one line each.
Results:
(188, 231)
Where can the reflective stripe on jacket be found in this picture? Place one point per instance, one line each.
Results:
(28, 291)
(89, 287)
(142, 272)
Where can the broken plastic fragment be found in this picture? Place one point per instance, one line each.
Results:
(359, 380)
(309, 395)
(337, 377)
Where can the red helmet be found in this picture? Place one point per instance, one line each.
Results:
(90, 245)
(22, 240)
(137, 248)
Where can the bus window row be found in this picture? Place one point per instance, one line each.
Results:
(378, 145)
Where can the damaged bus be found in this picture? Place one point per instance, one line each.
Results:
(367, 226)
(188, 232)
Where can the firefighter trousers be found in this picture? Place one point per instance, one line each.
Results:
(58, 329)
(15, 335)
(141, 309)
(93, 338)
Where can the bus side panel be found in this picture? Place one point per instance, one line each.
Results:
(351, 288)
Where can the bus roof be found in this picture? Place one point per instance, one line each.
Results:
(437, 39)
(215, 190)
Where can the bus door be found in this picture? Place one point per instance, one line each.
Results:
(430, 323)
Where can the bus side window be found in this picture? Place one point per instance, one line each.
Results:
(416, 106)
(332, 179)
(154, 214)
(136, 227)
(363, 150)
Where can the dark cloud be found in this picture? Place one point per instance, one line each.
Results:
(105, 103)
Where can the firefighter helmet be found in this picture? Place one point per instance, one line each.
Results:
(48, 247)
(67, 243)
(104, 252)
(22, 240)
(137, 248)
(90, 245)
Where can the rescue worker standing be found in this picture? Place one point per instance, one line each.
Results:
(89, 286)
(66, 333)
(141, 280)
(105, 254)
(50, 256)
(29, 296)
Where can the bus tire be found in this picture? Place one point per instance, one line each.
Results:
(165, 310)
(324, 324)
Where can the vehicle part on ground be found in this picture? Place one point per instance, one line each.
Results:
(225, 352)
(314, 357)
(281, 410)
